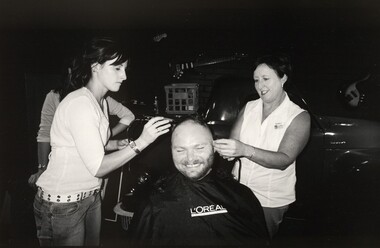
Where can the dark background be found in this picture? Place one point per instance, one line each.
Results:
(330, 42)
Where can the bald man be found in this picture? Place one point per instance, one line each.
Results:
(196, 207)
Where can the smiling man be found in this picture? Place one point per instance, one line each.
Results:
(192, 149)
(195, 206)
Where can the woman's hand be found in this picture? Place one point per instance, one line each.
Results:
(120, 144)
(154, 128)
(229, 148)
(34, 177)
(113, 145)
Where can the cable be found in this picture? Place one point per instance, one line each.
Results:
(239, 169)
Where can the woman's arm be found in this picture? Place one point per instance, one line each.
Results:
(83, 123)
(125, 115)
(120, 127)
(113, 145)
(293, 142)
(47, 114)
(43, 136)
(43, 159)
(154, 128)
(44, 149)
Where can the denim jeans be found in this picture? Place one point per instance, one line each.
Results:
(68, 224)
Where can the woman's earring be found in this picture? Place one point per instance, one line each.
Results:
(93, 68)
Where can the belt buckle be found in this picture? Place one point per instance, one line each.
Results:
(80, 196)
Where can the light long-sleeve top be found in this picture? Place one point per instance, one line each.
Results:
(50, 106)
(79, 134)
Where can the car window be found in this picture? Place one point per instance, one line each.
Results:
(228, 96)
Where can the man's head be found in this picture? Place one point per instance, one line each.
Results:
(192, 149)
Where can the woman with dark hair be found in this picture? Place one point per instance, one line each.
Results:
(67, 204)
(268, 135)
(52, 100)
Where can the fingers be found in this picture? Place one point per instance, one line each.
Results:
(159, 124)
(121, 144)
(228, 158)
(155, 127)
(157, 121)
(153, 120)
(163, 129)
(223, 143)
(226, 148)
(124, 141)
(31, 180)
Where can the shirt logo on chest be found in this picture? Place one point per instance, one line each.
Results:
(278, 125)
(207, 210)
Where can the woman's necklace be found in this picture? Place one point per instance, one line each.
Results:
(99, 101)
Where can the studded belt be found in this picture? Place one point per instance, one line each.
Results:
(65, 198)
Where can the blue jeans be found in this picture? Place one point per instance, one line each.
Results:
(68, 224)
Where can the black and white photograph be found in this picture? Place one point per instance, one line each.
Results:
(190, 123)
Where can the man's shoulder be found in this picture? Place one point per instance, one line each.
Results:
(164, 184)
(233, 184)
(232, 188)
(224, 176)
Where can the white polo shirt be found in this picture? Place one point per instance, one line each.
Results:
(79, 133)
(273, 187)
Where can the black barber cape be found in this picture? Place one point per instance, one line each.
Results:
(212, 211)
